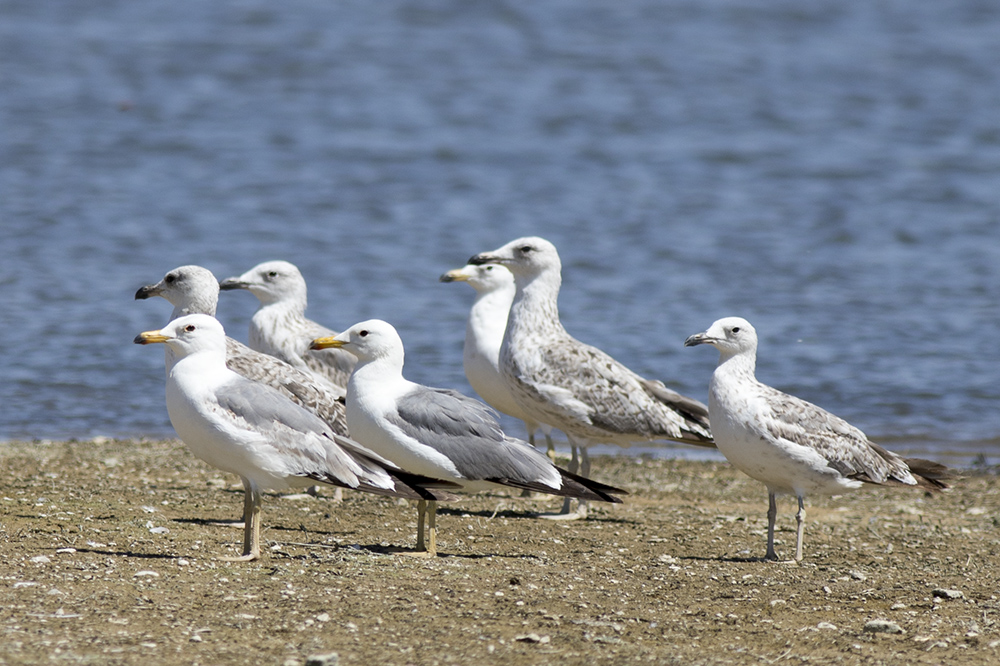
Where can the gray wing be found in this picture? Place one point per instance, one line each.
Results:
(324, 401)
(466, 431)
(847, 448)
(297, 437)
(619, 401)
(334, 364)
(301, 445)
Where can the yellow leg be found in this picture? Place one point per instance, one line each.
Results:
(772, 514)
(426, 548)
(251, 524)
(800, 518)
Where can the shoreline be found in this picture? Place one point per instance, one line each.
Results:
(109, 557)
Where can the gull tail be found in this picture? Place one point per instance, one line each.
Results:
(930, 475)
(697, 430)
(404, 485)
(573, 485)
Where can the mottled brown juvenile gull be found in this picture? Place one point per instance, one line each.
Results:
(792, 446)
(439, 432)
(249, 429)
(279, 326)
(194, 290)
(484, 330)
(573, 386)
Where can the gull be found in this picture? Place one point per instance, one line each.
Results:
(581, 390)
(194, 290)
(792, 446)
(484, 330)
(439, 432)
(250, 429)
(279, 326)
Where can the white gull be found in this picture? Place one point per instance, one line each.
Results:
(573, 386)
(439, 432)
(790, 445)
(279, 326)
(251, 430)
(484, 330)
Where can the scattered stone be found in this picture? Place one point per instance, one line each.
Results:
(40, 559)
(826, 625)
(323, 617)
(65, 551)
(882, 627)
(897, 607)
(857, 575)
(532, 638)
(942, 593)
(329, 659)
(145, 574)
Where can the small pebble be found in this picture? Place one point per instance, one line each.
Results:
(145, 574)
(532, 638)
(40, 559)
(826, 625)
(942, 593)
(882, 627)
(329, 659)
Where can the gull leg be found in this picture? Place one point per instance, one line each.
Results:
(432, 550)
(550, 447)
(772, 513)
(531, 442)
(421, 512)
(583, 506)
(800, 518)
(251, 524)
(574, 465)
(422, 549)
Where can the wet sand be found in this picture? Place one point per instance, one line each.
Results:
(109, 554)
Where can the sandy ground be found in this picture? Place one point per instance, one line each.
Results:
(109, 551)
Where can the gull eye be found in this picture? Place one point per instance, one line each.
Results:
(363, 334)
(525, 249)
(272, 274)
(736, 329)
(170, 279)
(488, 269)
(189, 328)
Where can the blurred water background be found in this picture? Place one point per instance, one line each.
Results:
(830, 170)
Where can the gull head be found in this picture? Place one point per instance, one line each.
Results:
(525, 257)
(485, 278)
(190, 289)
(369, 340)
(731, 335)
(187, 335)
(270, 282)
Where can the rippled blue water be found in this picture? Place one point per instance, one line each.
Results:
(829, 170)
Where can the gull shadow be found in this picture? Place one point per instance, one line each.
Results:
(126, 553)
(379, 549)
(701, 558)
